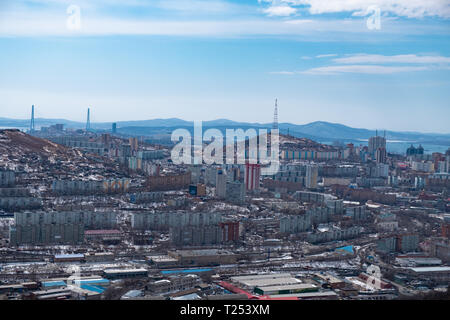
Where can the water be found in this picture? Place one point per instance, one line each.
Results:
(399, 147)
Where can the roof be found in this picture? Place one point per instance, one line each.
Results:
(102, 232)
(431, 269)
(93, 281)
(96, 289)
(289, 287)
(348, 249)
(186, 270)
(270, 282)
(192, 296)
(69, 256)
(305, 294)
(124, 270)
(204, 252)
(261, 276)
(53, 283)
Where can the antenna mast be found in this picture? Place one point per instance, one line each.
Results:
(275, 116)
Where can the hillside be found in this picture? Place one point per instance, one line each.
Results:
(25, 153)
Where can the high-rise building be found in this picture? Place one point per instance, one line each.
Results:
(114, 128)
(252, 176)
(230, 231)
(235, 192)
(134, 144)
(88, 120)
(381, 155)
(312, 173)
(375, 143)
(221, 184)
(32, 119)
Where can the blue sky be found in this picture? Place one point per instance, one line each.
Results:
(204, 60)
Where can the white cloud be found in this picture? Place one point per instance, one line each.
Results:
(20, 20)
(326, 55)
(53, 23)
(403, 58)
(403, 8)
(378, 64)
(282, 10)
(365, 69)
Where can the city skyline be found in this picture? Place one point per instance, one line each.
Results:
(176, 59)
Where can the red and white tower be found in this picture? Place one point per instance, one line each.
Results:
(252, 176)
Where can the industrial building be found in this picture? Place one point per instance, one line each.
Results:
(125, 273)
(204, 257)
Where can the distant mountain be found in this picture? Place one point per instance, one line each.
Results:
(320, 130)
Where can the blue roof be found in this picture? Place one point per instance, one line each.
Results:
(92, 288)
(347, 249)
(186, 271)
(53, 283)
(93, 281)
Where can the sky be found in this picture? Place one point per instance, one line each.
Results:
(378, 64)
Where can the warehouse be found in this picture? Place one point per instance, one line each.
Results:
(253, 281)
(286, 289)
(124, 273)
(68, 258)
(324, 295)
(204, 257)
(435, 273)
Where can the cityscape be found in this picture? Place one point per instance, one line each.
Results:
(288, 200)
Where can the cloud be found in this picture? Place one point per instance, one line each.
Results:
(377, 64)
(364, 69)
(404, 58)
(282, 10)
(53, 23)
(402, 8)
(326, 55)
(49, 19)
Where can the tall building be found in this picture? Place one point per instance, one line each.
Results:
(32, 119)
(381, 155)
(221, 184)
(375, 143)
(114, 128)
(134, 143)
(230, 231)
(312, 172)
(252, 176)
(88, 120)
(412, 151)
(235, 192)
